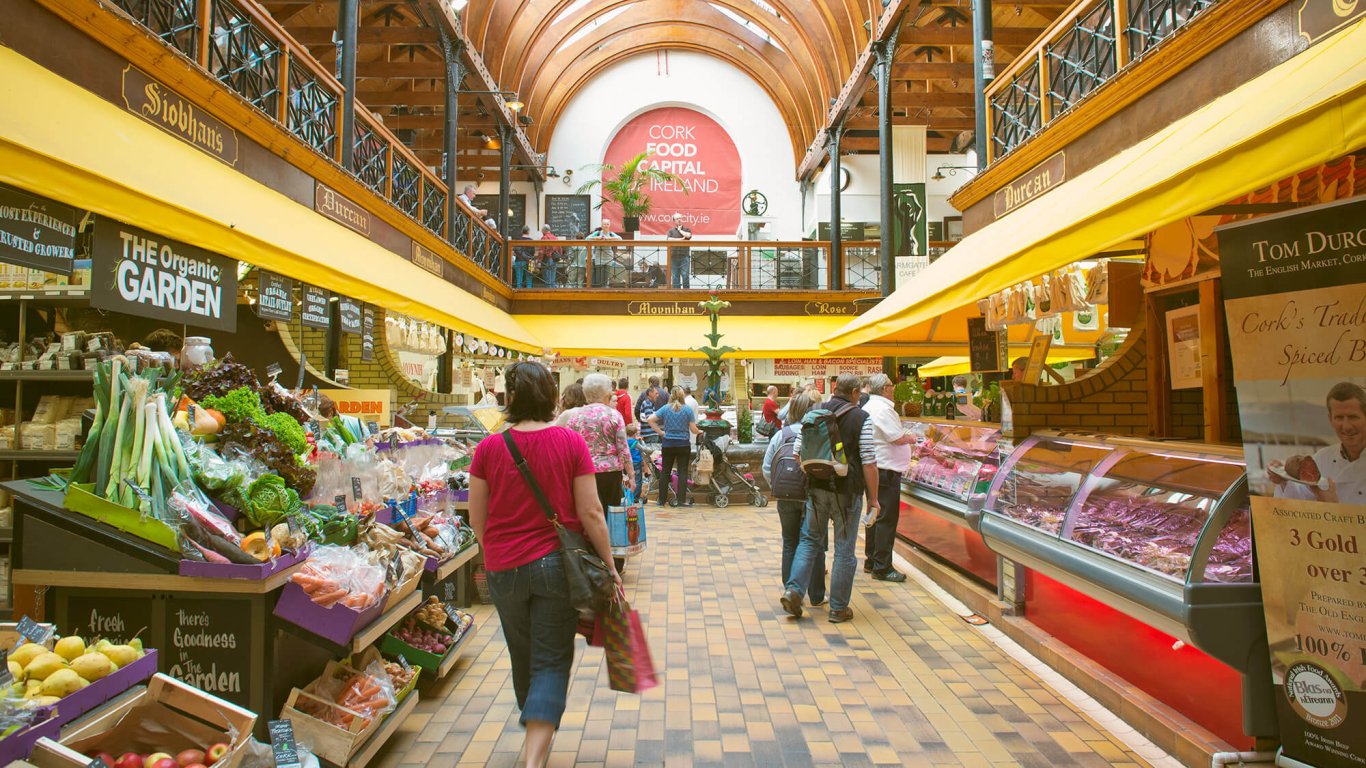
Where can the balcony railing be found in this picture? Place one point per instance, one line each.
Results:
(1080, 52)
(246, 50)
(700, 265)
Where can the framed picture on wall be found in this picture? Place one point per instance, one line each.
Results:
(953, 228)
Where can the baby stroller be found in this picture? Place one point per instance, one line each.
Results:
(724, 477)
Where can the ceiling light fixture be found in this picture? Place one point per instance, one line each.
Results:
(952, 169)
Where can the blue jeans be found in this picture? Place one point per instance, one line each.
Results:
(549, 274)
(520, 275)
(680, 271)
(822, 508)
(790, 516)
(539, 625)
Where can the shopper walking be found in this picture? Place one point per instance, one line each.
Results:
(622, 400)
(603, 429)
(792, 512)
(677, 422)
(521, 549)
(522, 256)
(892, 449)
(651, 400)
(839, 501)
(570, 401)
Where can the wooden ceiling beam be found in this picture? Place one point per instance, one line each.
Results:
(932, 70)
(933, 122)
(401, 70)
(962, 35)
(370, 35)
(858, 145)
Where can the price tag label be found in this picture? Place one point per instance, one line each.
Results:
(403, 662)
(141, 494)
(340, 502)
(273, 370)
(452, 483)
(96, 763)
(373, 426)
(190, 412)
(393, 440)
(454, 616)
(303, 366)
(395, 567)
(355, 489)
(448, 591)
(282, 743)
(33, 631)
(5, 677)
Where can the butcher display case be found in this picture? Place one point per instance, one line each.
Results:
(1159, 531)
(952, 467)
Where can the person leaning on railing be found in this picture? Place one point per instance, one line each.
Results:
(604, 259)
(549, 256)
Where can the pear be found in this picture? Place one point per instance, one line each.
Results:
(43, 666)
(26, 653)
(122, 655)
(45, 701)
(61, 683)
(136, 644)
(16, 670)
(71, 647)
(93, 666)
(32, 687)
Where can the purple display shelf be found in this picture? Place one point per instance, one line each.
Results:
(337, 623)
(254, 572)
(19, 745)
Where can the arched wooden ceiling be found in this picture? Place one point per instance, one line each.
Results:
(814, 47)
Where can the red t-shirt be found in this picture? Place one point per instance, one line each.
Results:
(771, 411)
(517, 531)
(623, 405)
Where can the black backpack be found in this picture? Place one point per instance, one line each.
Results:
(788, 480)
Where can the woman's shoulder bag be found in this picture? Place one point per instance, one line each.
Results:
(590, 581)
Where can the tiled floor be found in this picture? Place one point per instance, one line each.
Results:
(906, 682)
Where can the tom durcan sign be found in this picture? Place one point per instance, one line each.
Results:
(174, 114)
(1036, 181)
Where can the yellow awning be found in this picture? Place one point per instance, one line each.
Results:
(1305, 111)
(952, 366)
(59, 140)
(626, 336)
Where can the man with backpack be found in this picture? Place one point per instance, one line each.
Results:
(836, 449)
(787, 485)
(893, 450)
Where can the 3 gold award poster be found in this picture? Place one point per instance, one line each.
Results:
(1295, 300)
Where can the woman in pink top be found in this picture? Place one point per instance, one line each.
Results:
(605, 432)
(522, 551)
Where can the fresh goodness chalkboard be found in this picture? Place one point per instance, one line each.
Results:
(208, 645)
(142, 273)
(36, 232)
(568, 215)
(112, 617)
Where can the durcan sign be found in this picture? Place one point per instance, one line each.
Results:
(36, 232)
(1295, 299)
(698, 150)
(141, 273)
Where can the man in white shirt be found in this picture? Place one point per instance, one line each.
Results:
(467, 197)
(606, 265)
(1342, 467)
(692, 403)
(892, 447)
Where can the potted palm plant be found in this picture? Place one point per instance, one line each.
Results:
(628, 186)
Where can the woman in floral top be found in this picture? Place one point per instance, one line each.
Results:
(605, 432)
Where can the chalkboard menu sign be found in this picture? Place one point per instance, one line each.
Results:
(207, 645)
(367, 334)
(315, 312)
(987, 350)
(350, 315)
(276, 299)
(568, 215)
(516, 203)
(111, 617)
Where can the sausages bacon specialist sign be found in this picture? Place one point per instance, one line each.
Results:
(350, 315)
(142, 273)
(36, 232)
(1295, 298)
(276, 297)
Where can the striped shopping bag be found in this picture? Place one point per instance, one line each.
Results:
(619, 631)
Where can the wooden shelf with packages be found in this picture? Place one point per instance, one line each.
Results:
(386, 731)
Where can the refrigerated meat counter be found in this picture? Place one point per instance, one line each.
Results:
(1159, 531)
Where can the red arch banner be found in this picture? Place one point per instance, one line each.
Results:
(697, 149)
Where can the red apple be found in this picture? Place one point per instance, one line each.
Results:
(163, 762)
(130, 760)
(217, 752)
(103, 757)
(196, 765)
(156, 756)
(190, 757)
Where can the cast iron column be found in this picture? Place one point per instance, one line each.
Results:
(348, 22)
(832, 137)
(884, 51)
(455, 73)
(504, 178)
(983, 72)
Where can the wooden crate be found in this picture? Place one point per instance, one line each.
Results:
(333, 743)
(199, 719)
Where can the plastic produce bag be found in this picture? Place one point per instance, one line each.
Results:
(334, 575)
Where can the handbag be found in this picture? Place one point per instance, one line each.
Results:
(591, 586)
(620, 633)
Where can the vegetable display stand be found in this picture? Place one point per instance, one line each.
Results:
(364, 634)
(340, 736)
(451, 581)
(216, 634)
(19, 745)
(387, 729)
(438, 666)
(184, 718)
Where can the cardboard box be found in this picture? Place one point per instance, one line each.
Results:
(167, 716)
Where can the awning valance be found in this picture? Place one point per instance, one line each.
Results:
(1308, 110)
(618, 336)
(59, 140)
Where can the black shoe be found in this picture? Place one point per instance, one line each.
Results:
(817, 602)
(792, 603)
(867, 566)
(896, 577)
(837, 617)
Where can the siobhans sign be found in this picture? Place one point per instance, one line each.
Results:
(698, 150)
(142, 273)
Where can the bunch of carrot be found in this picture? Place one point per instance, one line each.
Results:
(362, 697)
(326, 584)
